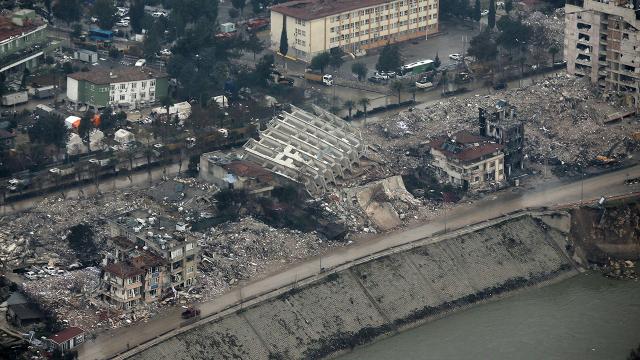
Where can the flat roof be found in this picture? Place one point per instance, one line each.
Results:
(110, 76)
(123, 270)
(464, 146)
(8, 29)
(315, 9)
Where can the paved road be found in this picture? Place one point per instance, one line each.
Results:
(510, 200)
(139, 177)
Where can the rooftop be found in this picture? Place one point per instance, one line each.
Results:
(315, 9)
(465, 146)
(248, 169)
(125, 74)
(123, 270)
(66, 335)
(8, 29)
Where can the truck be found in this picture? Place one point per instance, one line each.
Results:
(44, 92)
(325, 79)
(20, 97)
(257, 24)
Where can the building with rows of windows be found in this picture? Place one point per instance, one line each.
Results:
(130, 87)
(316, 26)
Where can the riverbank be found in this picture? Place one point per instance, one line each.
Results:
(385, 295)
(587, 317)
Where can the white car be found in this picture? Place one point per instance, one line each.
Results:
(122, 23)
(381, 75)
(423, 84)
(54, 171)
(484, 12)
(455, 57)
(141, 62)
(94, 19)
(159, 14)
(165, 52)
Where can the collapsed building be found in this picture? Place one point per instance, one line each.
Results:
(228, 171)
(601, 44)
(153, 256)
(501, 124)
(467, 160)
(297, 147)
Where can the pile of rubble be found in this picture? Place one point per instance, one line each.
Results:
(551, 26)
(68, 296)
(563, 116)
(236, 251)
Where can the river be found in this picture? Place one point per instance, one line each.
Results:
(585, 317)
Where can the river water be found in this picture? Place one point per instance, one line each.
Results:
(585, 317)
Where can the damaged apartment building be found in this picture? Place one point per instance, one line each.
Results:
(467, 160)
(314, 151)
(500, 122)
(154, 256)
(602, 43)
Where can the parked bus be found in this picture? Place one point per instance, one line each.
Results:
(417, 67)
(100, 35)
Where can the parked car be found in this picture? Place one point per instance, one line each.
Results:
(165, 52)
(391, 74)
(424, 84)
(122, 23)
(141, 62)
(381, 75)
(484, 12)
(376, 80)
(455, 57)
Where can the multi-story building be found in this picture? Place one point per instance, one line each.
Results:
(316, 26)
(131, 87)
(22, 42)
(500, 122)
(602, 42)
(467, 160)
(154, 255)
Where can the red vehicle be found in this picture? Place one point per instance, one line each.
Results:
(190, 312)
(257, 24)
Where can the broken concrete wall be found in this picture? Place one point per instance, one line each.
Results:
(382, 296)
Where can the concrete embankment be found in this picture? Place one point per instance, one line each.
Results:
(386, 294)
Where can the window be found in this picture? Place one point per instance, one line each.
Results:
(189, 269)
(152, 94)
(189, 247)
(152, 83)
(176, 253)
(123, 86)
(122, 97)
(133, 85)
(143, 84)
(133, 96)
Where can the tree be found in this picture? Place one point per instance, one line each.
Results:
(49, 130)
(513, 33)
(25, 78)
(436, 61)
(397, 86)
(320, 61)
(233, 13)
(67, 10)
(67, 68)
(136, 14)
(85, 127)
(553, 51)
(482, 47)
(634, 354)
(364, 102)
(284, 41)
(389, 59)
(47, 6)
(239, 4)
(151, 44)
(360, 70)
(477, 11)
(492, 14)
(254, 44)
(264, 68)
(105, 12)
(82, 243)
(336, 59)
(508, 6)
(349, 105)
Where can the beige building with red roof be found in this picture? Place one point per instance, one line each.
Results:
(467, 160)
(316, 26)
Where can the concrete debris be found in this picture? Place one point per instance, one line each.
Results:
(552, 27)
(564, 121)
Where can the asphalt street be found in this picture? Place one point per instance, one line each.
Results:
(550, 194)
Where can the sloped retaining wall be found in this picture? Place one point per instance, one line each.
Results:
(382, 296)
